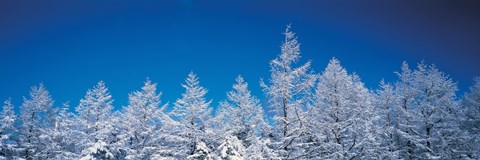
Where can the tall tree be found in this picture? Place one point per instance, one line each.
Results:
(193, 111)
(342, 106)
(426, 110)
(385, 103)
(289, 91)
(471, 122)
(7, 130)
(144, 121)
(242, 116)
(62, 135)
(95, 123)
(36, 118)
(471, 102)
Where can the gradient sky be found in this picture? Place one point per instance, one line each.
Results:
(71, 45)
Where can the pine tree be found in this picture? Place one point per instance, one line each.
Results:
(242, 116)
(261, 149)
(404, 117)
(193, 111)
(231, 149)
(7, 130)
(36, 118)
(385, 103)
(144, 122)
(289, 92)
(62, 142)
(471, 102)
(426, 109)
(95, 122)
(342, 106)
(201, 151)
(471, 121)
(98, 150)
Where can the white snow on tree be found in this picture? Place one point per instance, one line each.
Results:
(143, 122)
(193, 111)
(331, 115)
(95, 119)
(385, 103)
(471, 120)
(36, 118)
(62, 142)
(241, 117)
(99, 150)
(201, 151)
(342, 107)
(7, 128)
(260, 149)
(231, 149)
(426, 113)
(289, 91)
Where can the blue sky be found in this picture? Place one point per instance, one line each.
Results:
(71, 45)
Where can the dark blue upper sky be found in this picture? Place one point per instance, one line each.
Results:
(71, 45)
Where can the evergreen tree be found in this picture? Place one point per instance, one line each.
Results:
(471, 103)
(95, 123)
(242, 116)
(193, 111)
(289, 92)
(98, 150)
(385, 103)
(426, 110)
(7, 130)
(471, 121)
(144, 122)
(62, 142)
(342, 106)
(231, 149)
(36, 118)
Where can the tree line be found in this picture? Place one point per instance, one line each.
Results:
(327, 115)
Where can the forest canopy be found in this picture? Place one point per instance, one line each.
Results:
(327, 115)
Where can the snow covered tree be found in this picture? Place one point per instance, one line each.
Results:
(385, 103)
(193, 111)
(331, 115)
(202, 152)
(242, 112)
(95, 122)
(471, 102)
(232, 148)
(404, 117)
(425, 108)
(261, 149)
(145, 122)
(99, 150)
(289, 92)
(61, 143)
(36, 118)
(7, 129)
(471, 121)
(342, 107)
(242, 116)
(368, 123)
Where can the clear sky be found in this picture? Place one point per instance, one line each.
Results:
(71, 45)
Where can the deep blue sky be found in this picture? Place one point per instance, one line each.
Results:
(71, 45)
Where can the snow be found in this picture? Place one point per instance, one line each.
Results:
(327, 115)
